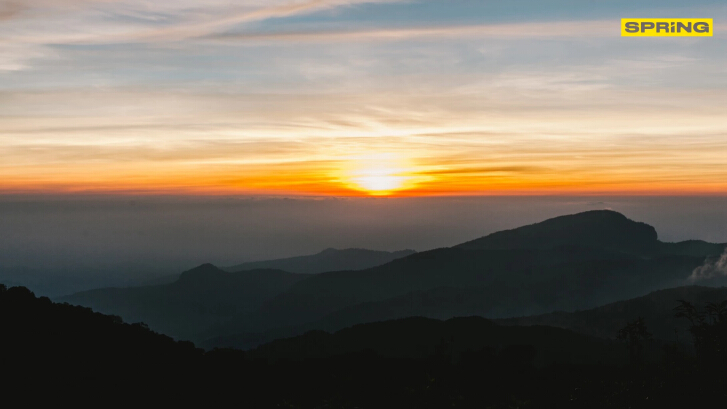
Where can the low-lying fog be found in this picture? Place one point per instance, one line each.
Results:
(61, 244)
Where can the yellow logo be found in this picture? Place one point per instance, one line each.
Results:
(666, 27)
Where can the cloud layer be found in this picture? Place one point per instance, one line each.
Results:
(289, 96)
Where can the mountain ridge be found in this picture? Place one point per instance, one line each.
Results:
(656, 307)
(591, 268)
(329, 259)
(200, 297)
(600, 228)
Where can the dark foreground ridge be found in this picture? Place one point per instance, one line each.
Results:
(657, 308)
(57, 353)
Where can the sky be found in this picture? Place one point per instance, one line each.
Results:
(359, 98)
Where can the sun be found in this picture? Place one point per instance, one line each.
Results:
(376, 174)
(380, 184)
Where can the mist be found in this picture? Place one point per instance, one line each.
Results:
(712, 268)
(59, 244)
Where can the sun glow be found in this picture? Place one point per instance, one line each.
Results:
(382, 184)
(377, 174)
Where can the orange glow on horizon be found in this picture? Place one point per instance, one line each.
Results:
(372, 182)
(366, 174)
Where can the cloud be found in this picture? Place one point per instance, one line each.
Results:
(484, 170)
(10, 10)
(469, 103)
(711, 269)
(16, 57)
(574, 29)
(199, 25)
(32, 24)
(109, 22)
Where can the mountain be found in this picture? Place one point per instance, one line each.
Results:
(55, 331)
(570, 262)
(570, 287)
(327, 260)
(657, 309)
(59, 280)
(200, 298)
(602, 229)
(70, 352)
(695, 248)
(567, 263)
(73, 353)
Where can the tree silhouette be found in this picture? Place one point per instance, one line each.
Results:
(708, 328)
(635, 335)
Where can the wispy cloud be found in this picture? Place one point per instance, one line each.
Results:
(28, 26)
(10, 10)
(108, 22)
(555, 29)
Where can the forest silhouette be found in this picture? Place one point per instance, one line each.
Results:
(57, 352)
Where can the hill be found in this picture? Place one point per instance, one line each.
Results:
(420, 338)
(200, 298)
(327, 260)
(562, 286)
(696, 248)
(71, 352)
(602, 229)
(569, 262)
(55, 352)
(657, 309)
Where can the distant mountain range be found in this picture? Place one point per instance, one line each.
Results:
(59, 280)
(186, 305)
(567, 263)
(327, 260)
(200, 298)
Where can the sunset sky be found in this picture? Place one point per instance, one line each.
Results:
(347, 97)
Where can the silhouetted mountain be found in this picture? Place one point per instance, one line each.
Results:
(200, 298)
(54, 331)
(695, 248)
(604, 229)
(59, 280)
(327, 260)
(559, 286)
(657, 309)
(57, 352)
(569, 262)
